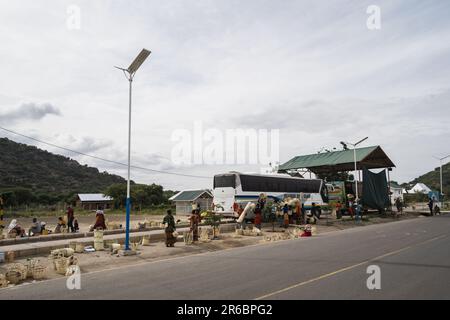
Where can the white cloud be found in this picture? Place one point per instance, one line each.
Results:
(310, 68)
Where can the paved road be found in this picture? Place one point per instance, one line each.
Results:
(413, 255)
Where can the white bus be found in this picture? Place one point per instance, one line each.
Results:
(241, 188)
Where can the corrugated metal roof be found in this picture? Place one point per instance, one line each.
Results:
(189, 195)
(93, 197)
(369, 157)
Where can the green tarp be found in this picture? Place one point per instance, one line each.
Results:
(375, 190)
(368, 157)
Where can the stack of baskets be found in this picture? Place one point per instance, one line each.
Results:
(204, 235)
(98, 240)
(188, 237)
(36, 270)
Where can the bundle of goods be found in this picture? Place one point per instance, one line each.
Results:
(115, 247)
(248, 208)
(307, 232)
(255, 232)
(188, 238)
(145, 240)
(295, 233)
(109, 243)
(114, 225)
(79, 247)
(135, 246)
(65, 252)
(98, 240)
(204, 234)
(73, 245)
(3, 282)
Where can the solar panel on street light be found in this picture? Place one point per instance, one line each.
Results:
(138, 61)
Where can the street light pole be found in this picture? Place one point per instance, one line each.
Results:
(441, 182)
(129, 74)
(356, 166)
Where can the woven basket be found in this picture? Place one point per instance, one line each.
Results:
(73, 245)
(79, 248)
(3, 281)
(20, 268)
(31, 264)
(145, 241)
(61, 265)
(39, 272)
(13, 276)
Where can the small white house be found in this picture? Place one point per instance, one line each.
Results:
(93, 201)
(183, 200)
(396, 192)
(420, 188)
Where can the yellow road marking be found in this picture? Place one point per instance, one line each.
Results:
(345, 269)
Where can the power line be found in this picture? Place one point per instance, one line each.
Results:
(103, 159)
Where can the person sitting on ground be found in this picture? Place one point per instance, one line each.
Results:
(99, 220)
(60, 226)
(35, 228)
(76, 226)
(15, 229)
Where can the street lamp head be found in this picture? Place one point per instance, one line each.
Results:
(134, 66)
(361, 141)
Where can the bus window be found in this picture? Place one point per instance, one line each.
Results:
(225, 181)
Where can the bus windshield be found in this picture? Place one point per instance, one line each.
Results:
(225, 181)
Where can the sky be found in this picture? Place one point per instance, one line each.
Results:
(312, 70)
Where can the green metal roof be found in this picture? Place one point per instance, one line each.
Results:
(189, 195)
(369, 157)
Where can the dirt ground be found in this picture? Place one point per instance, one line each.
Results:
(103, 260)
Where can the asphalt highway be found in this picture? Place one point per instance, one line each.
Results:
(413, 257)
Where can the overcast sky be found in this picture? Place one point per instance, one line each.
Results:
(309, 68)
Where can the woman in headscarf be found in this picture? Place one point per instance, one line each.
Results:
(100, 223)
(169, 223)
(15, 228)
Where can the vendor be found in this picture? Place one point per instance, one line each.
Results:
(258, 217)
(169, 223)
(60, 226)
(195, 219)
(35, 228)
(100, 223)
(14, 228)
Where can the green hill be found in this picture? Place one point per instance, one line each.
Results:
(432, 179)
(32, 175)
